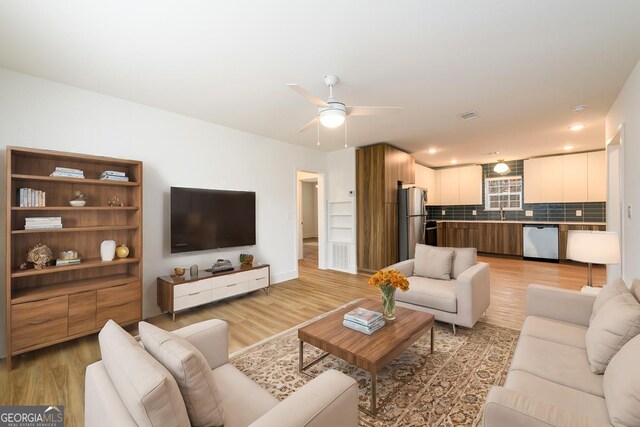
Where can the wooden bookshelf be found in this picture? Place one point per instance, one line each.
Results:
(59, 303)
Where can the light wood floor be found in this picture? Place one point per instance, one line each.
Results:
(56, 375)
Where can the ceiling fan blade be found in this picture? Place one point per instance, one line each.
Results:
(372, 111)
(309, 97)
(308, 125)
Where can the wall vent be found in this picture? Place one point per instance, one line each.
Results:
(469, 115)
(340, 258)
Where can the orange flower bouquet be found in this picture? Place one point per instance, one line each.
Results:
(388, 281)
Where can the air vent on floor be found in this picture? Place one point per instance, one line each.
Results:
(469, 115)
(340, 258)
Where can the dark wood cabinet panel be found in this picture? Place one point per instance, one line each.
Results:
(461, 235)
(379, 169)
(500, 238)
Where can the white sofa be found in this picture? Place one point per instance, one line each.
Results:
(551, 381)
(446, 282)
(132, 386)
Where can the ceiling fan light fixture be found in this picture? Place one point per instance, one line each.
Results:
(331, 118)
(501, 167)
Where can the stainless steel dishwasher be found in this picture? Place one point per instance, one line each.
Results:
(540, 242)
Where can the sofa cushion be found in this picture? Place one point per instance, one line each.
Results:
(616, 323)
(147, 389)
(433, 262)
(608, 291)
(191, 371)
(622, 385)
(432, 293)
(568, 398)
(243, 400)
(555, 331)
(463, 259)
(558, 363)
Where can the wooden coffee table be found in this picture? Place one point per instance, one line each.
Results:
(369, 352)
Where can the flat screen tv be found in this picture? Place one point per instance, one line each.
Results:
(211, 219)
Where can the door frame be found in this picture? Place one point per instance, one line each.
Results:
(322, 218)
(616, 222)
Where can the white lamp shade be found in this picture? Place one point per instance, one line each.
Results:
(332, 118)
(596, 247)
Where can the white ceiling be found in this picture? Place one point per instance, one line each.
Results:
(521, 64)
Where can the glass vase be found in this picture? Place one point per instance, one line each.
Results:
(388, 302)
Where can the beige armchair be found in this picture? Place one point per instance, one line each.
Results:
(446, 282)
(329, 399)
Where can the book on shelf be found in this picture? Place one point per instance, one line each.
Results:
(114, 178)
(113, 173)
(364, 329)
(30, 198)
(69, 170)
(39, 223)
(67, 174)
(363, 316)
(67, 261)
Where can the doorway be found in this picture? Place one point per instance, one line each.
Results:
(310, 218)
(615, 197)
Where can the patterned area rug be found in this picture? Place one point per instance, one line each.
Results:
(447, 388)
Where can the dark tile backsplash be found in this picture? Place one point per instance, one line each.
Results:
(548, 212)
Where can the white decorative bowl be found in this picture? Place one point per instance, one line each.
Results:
(77, 203)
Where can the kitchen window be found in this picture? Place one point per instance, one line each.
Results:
(503, 192)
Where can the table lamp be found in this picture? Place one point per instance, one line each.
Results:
(593, 247)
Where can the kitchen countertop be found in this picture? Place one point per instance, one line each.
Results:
(523, 222)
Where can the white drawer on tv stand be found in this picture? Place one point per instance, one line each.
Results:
(211, 289)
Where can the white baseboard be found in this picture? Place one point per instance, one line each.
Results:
(283, 277)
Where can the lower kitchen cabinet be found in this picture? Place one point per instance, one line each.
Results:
(492, 238)
(461, 234)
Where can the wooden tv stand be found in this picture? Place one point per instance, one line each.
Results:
(175, 294)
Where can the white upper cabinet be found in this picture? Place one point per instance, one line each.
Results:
(551, 187)
(597, 172)
(450, 186)
(426, 178)
(574, 182)
(470, 185)
(532, 181)
(564, 179)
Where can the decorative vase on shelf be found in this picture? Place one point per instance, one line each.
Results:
(388, 302)
(388, 281)
(108, 250)
(122, 251)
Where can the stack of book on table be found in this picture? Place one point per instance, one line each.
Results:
(114, 176)
(363, 320)
(68, 173)
(30, 198)
(42, 223)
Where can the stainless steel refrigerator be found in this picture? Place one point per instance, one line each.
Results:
(412, 220)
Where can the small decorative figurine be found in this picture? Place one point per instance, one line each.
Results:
(179, 271)
(115, 202)
(70, 254)
(246, 259)
(40, 255)
(78, 199)
(122, 251)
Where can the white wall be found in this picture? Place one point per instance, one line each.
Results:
(309, 209)
(176, 151)
(341, 180)
(626, 110)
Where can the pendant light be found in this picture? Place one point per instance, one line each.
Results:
(501, 167)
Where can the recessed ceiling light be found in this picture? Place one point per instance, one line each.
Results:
(432, 151)
(578, 108)
(568, 147)
(576, 128)
(453, 162)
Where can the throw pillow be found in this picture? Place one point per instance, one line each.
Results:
(463, 259)
(191, 371)
(614, 325)
(146, 388)
(621, 385)
(433, 262)
(615, 288)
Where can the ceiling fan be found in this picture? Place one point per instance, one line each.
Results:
(332, 113)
